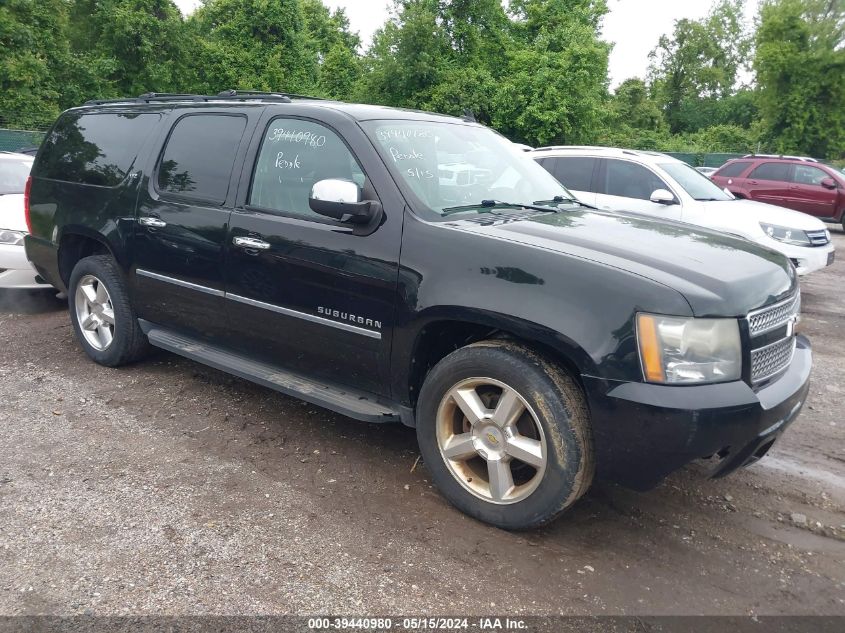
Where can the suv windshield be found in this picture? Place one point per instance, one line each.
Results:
(13, 175)
(698, 186)
(452, 165)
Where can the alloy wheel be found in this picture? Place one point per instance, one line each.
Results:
(491, 440)
(94, 312)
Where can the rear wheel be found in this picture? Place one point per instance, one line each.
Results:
(505, 434)
(101, 313)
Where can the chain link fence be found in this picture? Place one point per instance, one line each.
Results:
(14, 140)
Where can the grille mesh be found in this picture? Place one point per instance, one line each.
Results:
(773, 316)
(772, 359)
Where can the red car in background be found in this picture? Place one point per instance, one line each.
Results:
(803, 184)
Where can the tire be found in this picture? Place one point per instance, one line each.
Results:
(553, 424)
(99, 280)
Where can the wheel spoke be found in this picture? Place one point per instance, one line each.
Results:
(459, 447)
(525, 450)
(509, 409)
(89, 292)
(468, 401)
(102, 293)
(89, 323)
(501, 478)
(105, 335)
(108, 315)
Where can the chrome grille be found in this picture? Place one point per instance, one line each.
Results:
(771, 317)
(818, 238)
(772, 359)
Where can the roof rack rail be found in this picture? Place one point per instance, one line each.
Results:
(259, 94)
(807, 159)
(149, 97)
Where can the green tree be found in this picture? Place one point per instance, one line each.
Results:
(250, 45)
(700, 60)
(333, 49)
(555, 86)
(137, 45)
(632, 105)
(800, 66)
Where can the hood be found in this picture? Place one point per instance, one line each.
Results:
(718, 275)
(724, 213)
(12, 212)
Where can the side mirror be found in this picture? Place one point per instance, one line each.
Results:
(662, 196)
(829, 183)
(341, 200)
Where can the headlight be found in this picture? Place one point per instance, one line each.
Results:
(12, 238)
(785, 234)
(679, 350)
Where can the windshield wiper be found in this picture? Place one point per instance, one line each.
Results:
(487, 206)
(561, 200)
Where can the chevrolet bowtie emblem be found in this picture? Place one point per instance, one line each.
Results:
(492, 438)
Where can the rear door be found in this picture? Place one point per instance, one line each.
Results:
(807, 193)
(575, 173)
(315, 296)
(769, 182)
(182, 220)
(627, 186)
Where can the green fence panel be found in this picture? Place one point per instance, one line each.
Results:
(13, 140)
(687, 157)
(713, 159)
(717, 160)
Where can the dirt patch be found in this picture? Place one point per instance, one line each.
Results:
(167, 487)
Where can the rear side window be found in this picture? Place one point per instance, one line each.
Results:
(733, 170)
(771, 171)
(575, 173)
(807, 175)
(198, 157)
(294, 155)
(629, 180)
(94, 149)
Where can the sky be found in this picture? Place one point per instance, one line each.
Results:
(634, 26)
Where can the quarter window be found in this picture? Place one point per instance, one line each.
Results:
(294, 155)
(733, 170)
(807, 175)
(771, 171)
(95, 149)
(629, 180)
(199, 155)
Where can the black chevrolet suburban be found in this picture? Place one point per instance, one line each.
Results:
(402, 266)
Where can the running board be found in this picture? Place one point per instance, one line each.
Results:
(355, 404)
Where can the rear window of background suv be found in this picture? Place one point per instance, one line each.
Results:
(94, 149)
(733, 170)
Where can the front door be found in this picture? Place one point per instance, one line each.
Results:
(808, 194)
(306, 292)
(182, 221)
(627, 186)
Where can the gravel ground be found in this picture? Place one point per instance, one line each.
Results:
(170, 488)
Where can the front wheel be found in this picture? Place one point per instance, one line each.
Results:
(505, 434)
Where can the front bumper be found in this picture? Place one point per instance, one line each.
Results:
(808, 259)
(643, 432)
(15, 271)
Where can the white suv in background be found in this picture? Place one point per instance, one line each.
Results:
(661, 186)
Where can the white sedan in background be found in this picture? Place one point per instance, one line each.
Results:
(661, 186)
(15, 270)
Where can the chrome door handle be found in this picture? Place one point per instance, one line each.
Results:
(250, 242)
(154, 222)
